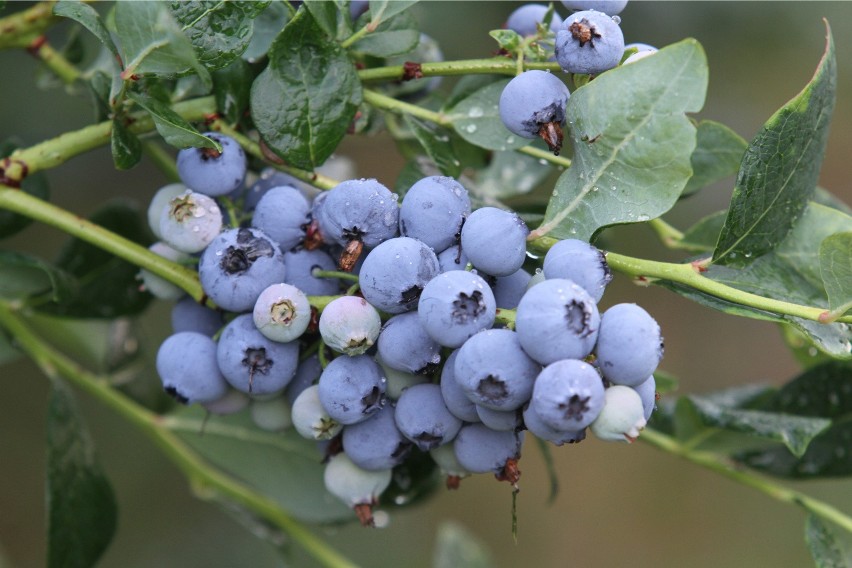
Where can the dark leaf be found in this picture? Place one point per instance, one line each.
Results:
(231, 87)
(305, 100)
(394, 36)
(702, 236)
(824, 545)
(219, 31)
(126, 147)
(835, 265)
(382, 10)
(467, 86)
(81, 505)
(331, 16)
(510, 174)
(107, 285)
(24, 276)
(824, 390)
(717, 155)
(267, 26)
(8, 353)
(174, 129)
(88, 18)
(436, 142)
(631, 153)
(780, 170)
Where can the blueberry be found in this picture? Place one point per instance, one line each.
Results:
(647, 391)
(622, 417)
(232, 402)
(310, 418)
(525, 19)
(395, 272)
(307, 373)
(501, 420)
(189, 315)
(237, 266)
(495, 241)
(210, 172)
(158, 286)
(433, 211)
(350, 325)
(454, 397)
(532, 105)
(252, 362)
(589, 42)
(581, 262)
(508, 290)
(357, 487)
(629, 346)
(643, 50)
(610, 7)
(282, 312)
(568, 395)
(159, 202)
(273, 415)
(352, 388)
(494, 371)
(423, 418)
(398, 381)
(283, 214)
(542, 431)
(301, 263)
(479, 449)
(455, 305)
(186, 363)
(405, 346)
(269, 178)
(445, 457)
(190, 222)
(452, 258)
(376, 443)
(557, 319)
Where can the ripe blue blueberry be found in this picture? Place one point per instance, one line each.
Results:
(376, 443)
(526, 19)
(300, 265)
(494, 371)
(283, 214)
(307, 373)
(352, 388)
(405, 346)
(501, 420)
(454, 397)
(350, 325)
(282, 312)
(508, 290)
(542, 431)
(568, 395)
(479, 449)
(253, 363)
(557, 319)
(189, 315)
(395, 272)
(629, 345)
(433, 211)
(622, 417)
(232, 402)
(186, 363)
(237, 266)
(452, 258)
(647, 391)
(190, 222)
(495, 241)
(609, 7)
(455, 305)
(532, 105)
(581, 262)
(423, 418)
(589, 42)
(210, 172)
(268, 178)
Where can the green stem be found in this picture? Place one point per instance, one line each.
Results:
(56, 151)
(669, 236)
(722, 466)
(194, 467)
(56, 62)
(496, 65)
(22, 28)
(335, 274)
(348, 42)
(690, 275)
(45, 212)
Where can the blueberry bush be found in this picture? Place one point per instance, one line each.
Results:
(346, 344)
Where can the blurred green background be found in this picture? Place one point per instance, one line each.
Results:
(619, 505)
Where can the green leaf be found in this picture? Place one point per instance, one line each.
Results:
(126, 147)
(81, 505)
(795, 432)
(219, 31)
(107, 285)
(435, 142)
(824, 390)
(283, 466)
(825, 548)
(306, 98)
(631, 153)
(510, 174)
(23, 276)
(717, 155)
(835, 265)
(828, 455)
(7, 352)
(477, 119)
(330, 16)
(394, 36)
(457, 547)
(825, 197)
(88, 18)
(231, 87)
(467, 86)
(382, 10)
(267, 26)
(153, 43)
(780, 170)
(174, 129)
(702, 236)
(508, 40)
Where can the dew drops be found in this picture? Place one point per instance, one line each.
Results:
(470, 128)
(475, 112)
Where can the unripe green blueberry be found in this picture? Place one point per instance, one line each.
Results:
(350, 325)
(622, 417)
(273, 415)
(282, 312)
(310, 419)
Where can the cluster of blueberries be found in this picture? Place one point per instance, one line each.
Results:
(444, 344)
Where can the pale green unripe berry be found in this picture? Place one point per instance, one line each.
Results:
(622, 417)
(273, 415)
(398, 381)
(350, 325)
(310, 418)
(160, 287)
(358, 488)
(445, 456)
(282, 312)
